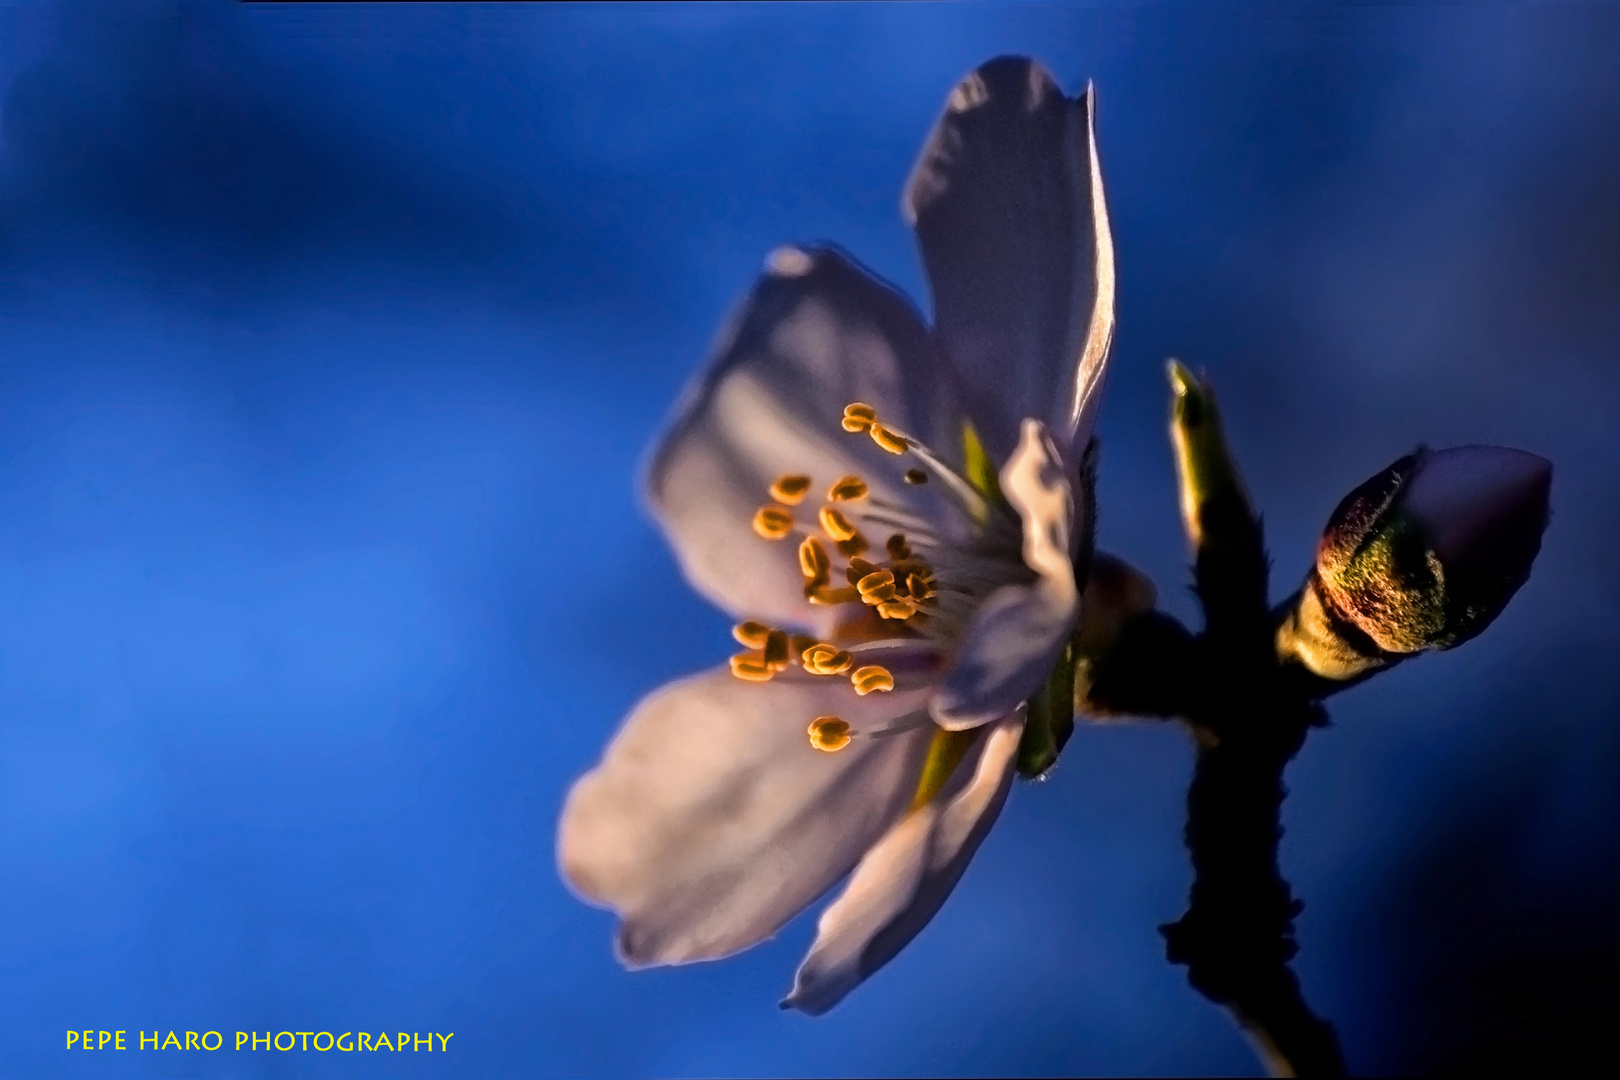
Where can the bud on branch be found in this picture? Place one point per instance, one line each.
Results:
(1424, 555)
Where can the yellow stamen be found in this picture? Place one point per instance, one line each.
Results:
(751, 667)
(827, 660)
(790, 489)
(850, 487)
(897, 547)
(751, 634)
(859, 568)
(829, 733)
(872, 677)
(875, 580)
(772, 522)
(836, 524)
(895, 609)
(918, 587)
(776, 650)
(858, 417)
(826, 594)
(813, 560)
(912, 565)
(799, 643)
(876, 587)
(894, 444)
(916, 476)
(853, 546)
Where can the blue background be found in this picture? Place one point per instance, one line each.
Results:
(331, 341)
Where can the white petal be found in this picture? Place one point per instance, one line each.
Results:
(1470, 500)
(904, 880)
(711, 820)
(1015, 637)
(816, 333)
(1007, 202)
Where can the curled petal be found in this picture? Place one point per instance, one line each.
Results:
(904, 880)
(711, 820)
(1007, 203)
(816, 333)
(1016, 635)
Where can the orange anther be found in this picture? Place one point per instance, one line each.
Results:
(894, 444)
(751, 667)
(776, 650)
(829, 596)
(790, 489)
(850, 487)
(813, 560)
(871, 678)
(772, 522)
(751, 634)
(895, 609)
(858, 417)
(829, 733)
(836, 524)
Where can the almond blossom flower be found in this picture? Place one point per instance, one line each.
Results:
(897, 515)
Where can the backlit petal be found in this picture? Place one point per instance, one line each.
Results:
(1016, 635)
(816, 333)
(904, 880)
(711, 820)
(1007, 202)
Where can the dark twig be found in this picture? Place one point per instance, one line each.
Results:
(1238, 933)
(1237, 936)
(1249, 714)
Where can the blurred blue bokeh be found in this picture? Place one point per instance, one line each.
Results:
(331, 340)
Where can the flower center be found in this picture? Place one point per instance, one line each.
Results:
(920, 591)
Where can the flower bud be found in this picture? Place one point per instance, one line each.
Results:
(1428, 552)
